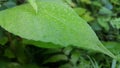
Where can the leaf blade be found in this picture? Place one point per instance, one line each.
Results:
(51, 25)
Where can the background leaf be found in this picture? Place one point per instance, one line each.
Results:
(115, 23)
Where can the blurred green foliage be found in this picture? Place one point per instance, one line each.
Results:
(101, 15)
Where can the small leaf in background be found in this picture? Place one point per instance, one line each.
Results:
(34, 5)
(103, 21)
(8, 53)
(107, 4)
(3, 40)
(9, 4)
(80, 11)
(95, 26)
(67, 50)
(56, 58)
(113, 46)
(115, 23)
(84, 63)
(105, 11)
(116, 2)
(86, 15)
(96, 3)
(75, 57)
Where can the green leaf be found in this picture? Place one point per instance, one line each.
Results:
(8, 53)
(3, 40)
(96, 3)
(57, 58)
(9, 4)
(67, 50)
(55, 22)
(86, 15)
(103, 21)
(80, 11)
(84, 63)
(113, 46)
(75, 57)
(33, 4)
(115, 23)
(116, 2)
(105, 11)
